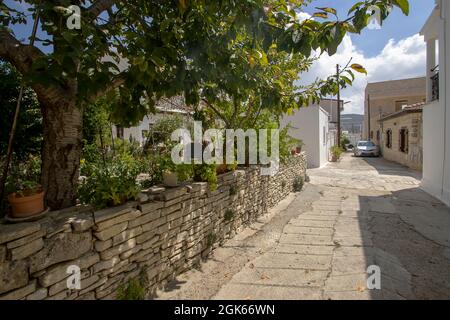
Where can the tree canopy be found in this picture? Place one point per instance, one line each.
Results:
(226, 53)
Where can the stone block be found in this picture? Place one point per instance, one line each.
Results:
(59, 272)
(20, 293)
(151, 207)
(103, 245)
(126, 235)
(39, 294)
(60, 248)
(110, 213)
(27, 249)
(10, 232)
(13, 275)
(115, 251)
(25, 240)
(111, 232)
(145, 218)
(82, 224)
(130, 215)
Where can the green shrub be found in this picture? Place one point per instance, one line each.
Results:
(298, 183)
(132, 290)
(229, 215)
(336, 151)
(206, 173)
(24, 176)
(211, 239)
(233, 190)
(111, 183)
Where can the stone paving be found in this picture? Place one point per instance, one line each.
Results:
(319, 243)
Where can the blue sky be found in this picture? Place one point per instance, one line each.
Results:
(397, 27)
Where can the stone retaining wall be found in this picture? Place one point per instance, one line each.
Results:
(154, 239)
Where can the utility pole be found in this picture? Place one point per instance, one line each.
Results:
(368, 117)
(338, 107)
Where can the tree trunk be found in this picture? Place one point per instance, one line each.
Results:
(61, 152)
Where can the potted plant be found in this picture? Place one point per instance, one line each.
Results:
(25, 194)
(299, 147)
(336, 153)
(169, 172)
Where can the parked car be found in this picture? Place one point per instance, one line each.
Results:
(366, 148)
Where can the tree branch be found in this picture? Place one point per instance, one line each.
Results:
(115, 83)
(20, 55)
(99, 6)
(216, 112)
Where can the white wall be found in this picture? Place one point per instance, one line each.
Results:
(307, 124)
(436, 116)
(444, 97)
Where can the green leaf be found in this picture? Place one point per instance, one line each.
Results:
(358, 68)
(403, 5)
(322, 15)
(329, 10)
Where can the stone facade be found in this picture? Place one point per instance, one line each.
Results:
(165, 233)
(412, 122)
(386, 98)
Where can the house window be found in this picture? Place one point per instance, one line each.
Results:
(404, 140)
(389, 139)
(378, 135)
(400, 104)
(371, 135)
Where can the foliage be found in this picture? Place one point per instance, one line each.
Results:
(226, 54)
(24, 176)
(96, 124)
(229, 215)
(336, 151)
(28, 136)
(133, 290)
(233, 190)
(160, 133)
(211, 239)
(111, 183)
(206, 173)
(299, 181)
(344, 142)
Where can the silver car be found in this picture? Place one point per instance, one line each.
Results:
(366, 148)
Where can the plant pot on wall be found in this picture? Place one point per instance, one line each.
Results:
(26, 206)
(170, 179)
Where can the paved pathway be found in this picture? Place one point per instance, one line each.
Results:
(318, 244)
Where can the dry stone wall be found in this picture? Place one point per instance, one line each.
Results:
(166, 232)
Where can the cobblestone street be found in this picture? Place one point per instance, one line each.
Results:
(318, 244)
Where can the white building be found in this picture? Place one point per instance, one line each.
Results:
(436, 114)
(164, 108)
(311, 125)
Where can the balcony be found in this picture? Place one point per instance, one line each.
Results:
(435, 84)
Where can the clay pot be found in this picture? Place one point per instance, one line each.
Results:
(28, 206)
(298, 149)
(170, 179)
(221, 169)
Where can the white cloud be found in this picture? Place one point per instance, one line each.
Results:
(398, 60)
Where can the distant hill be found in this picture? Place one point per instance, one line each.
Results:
(352, 122)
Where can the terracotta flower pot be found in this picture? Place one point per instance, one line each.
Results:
(170, 179)
(28, 206)
(298, 149)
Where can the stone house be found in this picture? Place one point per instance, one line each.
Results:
(402, 136)
(388, 97)
(436, 113)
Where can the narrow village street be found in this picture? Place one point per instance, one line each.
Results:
(318, 244)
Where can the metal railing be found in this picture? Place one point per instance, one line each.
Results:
(435, 84)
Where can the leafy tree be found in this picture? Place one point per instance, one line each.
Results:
(28, 139)
(134, 48)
